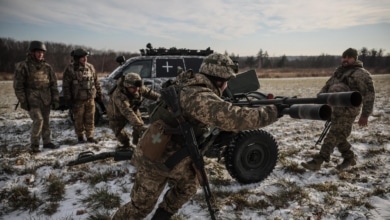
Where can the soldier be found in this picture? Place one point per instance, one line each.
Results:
(124, 105)
(81, 87)
(35, 85)
(350, 76)
(202, 106)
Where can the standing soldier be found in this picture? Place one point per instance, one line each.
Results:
(35, 85)
(124, 105)
(201, 105)
(350, 76)
(81, 87)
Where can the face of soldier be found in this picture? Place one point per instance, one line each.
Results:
(83, 60)
(347, 61)
(39, 54)
(133, 89)
(222, 85)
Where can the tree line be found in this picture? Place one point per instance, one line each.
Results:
(58, 56)
(373, 59)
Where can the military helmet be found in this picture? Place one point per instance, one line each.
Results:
(79, 52)
(132, 80)
(36, 45)
(219, 65)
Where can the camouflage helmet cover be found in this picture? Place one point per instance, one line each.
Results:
(132, 80)
(79, 52)
(218, 65)
(36, 45)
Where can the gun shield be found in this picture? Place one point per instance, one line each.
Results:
(309, 111)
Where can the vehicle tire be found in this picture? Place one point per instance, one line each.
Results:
(251, 156)
(98, 114)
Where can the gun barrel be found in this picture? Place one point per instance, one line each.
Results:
(338, 99)
(341, 99)
(309, 111)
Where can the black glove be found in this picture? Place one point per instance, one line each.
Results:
(55, 105)
(25, 106)
(141, 129)
(69, 103)
(280, 108)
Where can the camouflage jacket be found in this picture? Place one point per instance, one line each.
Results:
(80, 82)
(357, 79)
(202, 105)
(35, 82)
(125, 106)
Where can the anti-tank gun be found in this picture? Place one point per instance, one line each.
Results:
(250, 156)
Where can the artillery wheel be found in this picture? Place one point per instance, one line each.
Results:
(251, 156)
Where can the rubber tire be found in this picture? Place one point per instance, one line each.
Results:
(251, 156)
(98, 114)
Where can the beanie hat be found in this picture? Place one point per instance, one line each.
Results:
(350, 52)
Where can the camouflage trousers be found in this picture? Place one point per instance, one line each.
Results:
(339, 131)
(40, 125)
(84, 117)
(117, 126)
(149, 184)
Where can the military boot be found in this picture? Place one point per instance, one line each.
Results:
(80, 139)
(314, 164)
(162, 214)
(50, 146)
(347, 162)
(92, 140)
(35, 148)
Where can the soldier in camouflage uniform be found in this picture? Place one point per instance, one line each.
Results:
(81, 87)
(123, 107)
(202, 106)
(35, 85)
(350, 76)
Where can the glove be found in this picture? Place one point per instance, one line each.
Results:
(69, 103)
(55, 105)
(99, 99)
(280, 108)
(141, 128)
(25, 106)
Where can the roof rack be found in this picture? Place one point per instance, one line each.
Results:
(150, 51)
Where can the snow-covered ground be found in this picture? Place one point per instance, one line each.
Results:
(290, 192)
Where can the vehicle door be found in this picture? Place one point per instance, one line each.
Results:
(166, 68)
(193, 63)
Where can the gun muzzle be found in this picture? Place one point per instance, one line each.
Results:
(309, 111)
(341, 99)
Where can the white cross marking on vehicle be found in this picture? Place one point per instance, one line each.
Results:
(167, 66)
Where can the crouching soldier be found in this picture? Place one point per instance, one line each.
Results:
(123, 107)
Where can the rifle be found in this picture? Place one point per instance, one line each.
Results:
(170, 96)
(324, 132)
(318, 108)
(89, 156)
(16, 106)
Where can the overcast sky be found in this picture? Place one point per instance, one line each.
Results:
(243, 27)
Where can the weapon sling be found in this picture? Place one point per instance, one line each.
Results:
(324, 132)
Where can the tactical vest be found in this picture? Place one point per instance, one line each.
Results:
(38, 77)
(161, 112)
(83, 84)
